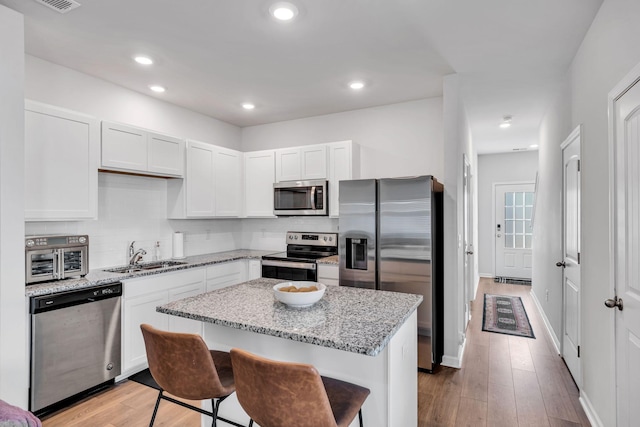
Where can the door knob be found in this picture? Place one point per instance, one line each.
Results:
(615, 302)
(561, 264)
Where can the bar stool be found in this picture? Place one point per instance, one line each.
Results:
(276, 394)
(183, 365)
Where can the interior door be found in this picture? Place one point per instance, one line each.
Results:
(513, 230)
(625, 250)
(467, 209)
(571, 282)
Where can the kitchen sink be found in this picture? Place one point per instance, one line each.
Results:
(144, 267)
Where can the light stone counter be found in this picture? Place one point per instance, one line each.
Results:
(100, 277)
(356, 320)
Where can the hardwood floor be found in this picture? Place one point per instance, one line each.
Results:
(504, 381)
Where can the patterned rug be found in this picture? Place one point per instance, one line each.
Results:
(505, 315)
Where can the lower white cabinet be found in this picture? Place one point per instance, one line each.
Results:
(226, 274)
(141, 296)
(329, 274)
(255, 269)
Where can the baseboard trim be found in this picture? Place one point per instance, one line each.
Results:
(486, 275)
(547, 324)
(453, 361)
(590, 411)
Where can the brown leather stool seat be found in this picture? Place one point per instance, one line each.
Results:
(183, 365)
(277, 394)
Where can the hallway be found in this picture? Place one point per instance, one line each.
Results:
(505, 380)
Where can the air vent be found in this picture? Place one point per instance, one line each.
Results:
(62, 6)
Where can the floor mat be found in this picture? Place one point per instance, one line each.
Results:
(505, 314)
(144, 377)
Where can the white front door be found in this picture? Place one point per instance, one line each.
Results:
(513, 230)
(625, 248)
(571, 254)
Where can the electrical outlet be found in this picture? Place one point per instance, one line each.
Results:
(546, 295)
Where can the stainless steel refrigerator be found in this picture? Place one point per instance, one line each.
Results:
(391, 239)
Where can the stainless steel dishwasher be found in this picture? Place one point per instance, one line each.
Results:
(75, 344)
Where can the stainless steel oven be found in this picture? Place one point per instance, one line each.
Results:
(299, 261)
(56, 257)
(291, 198)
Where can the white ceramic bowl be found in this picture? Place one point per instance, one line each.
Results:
(299, 299)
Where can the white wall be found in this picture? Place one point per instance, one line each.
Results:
(497, 168)
(57, 85)
(132, 207)
(395, 140)
(547, 245)
(608, 52)
(14, 358)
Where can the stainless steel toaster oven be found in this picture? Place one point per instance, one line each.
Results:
(56, 257)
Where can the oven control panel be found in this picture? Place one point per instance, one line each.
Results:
(312, 239)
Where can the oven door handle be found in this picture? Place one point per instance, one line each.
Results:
(289, 264)
(58, 271)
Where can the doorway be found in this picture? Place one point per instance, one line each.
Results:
(513, 222)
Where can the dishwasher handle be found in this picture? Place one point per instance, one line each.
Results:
(40, 304)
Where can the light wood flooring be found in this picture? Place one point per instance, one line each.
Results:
(504, 381)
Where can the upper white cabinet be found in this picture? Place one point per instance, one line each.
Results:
(228, 182)
(131, 149)
(344, 164)
(259, 176)
(61, 164)
(301, 163)
(212, 186)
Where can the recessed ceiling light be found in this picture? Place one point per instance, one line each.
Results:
(248, 106)
(144, 60)
(506, 122)
(356, 85)
(157, 88)
(283, 11)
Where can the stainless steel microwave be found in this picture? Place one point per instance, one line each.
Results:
(293, 198)
(56, 257)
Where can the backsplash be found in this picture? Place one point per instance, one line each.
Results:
(134, 208)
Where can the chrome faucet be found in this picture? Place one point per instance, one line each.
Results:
(135, 256)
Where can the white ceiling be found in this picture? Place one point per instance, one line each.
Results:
(213, 55)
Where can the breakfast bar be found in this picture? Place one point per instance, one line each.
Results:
(357, 335)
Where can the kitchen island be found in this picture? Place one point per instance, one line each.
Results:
(357, 335)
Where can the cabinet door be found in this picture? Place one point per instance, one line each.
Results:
(259, 173)
(288, 165)
(328, 274)
(343, 165)
(228, 182)
(313, 162)
(61, 164)
(138, 310)
(226, 274)
(200, 180)
(255, 269)
(182, 324)
(165, 155)
(124, 147)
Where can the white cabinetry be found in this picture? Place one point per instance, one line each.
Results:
(259, 173)
(141, 296)
(329, 274)
(131, 149)
(212, 185)
(226, 274)
(228, 182)
(301, 163)
(255, 269)
(344, 164)
(61, 164)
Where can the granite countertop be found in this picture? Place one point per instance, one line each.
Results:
(350, 319)
(100, 277)
(330, 260)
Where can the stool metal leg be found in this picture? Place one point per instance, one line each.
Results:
(155, 410)
(360, 417)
